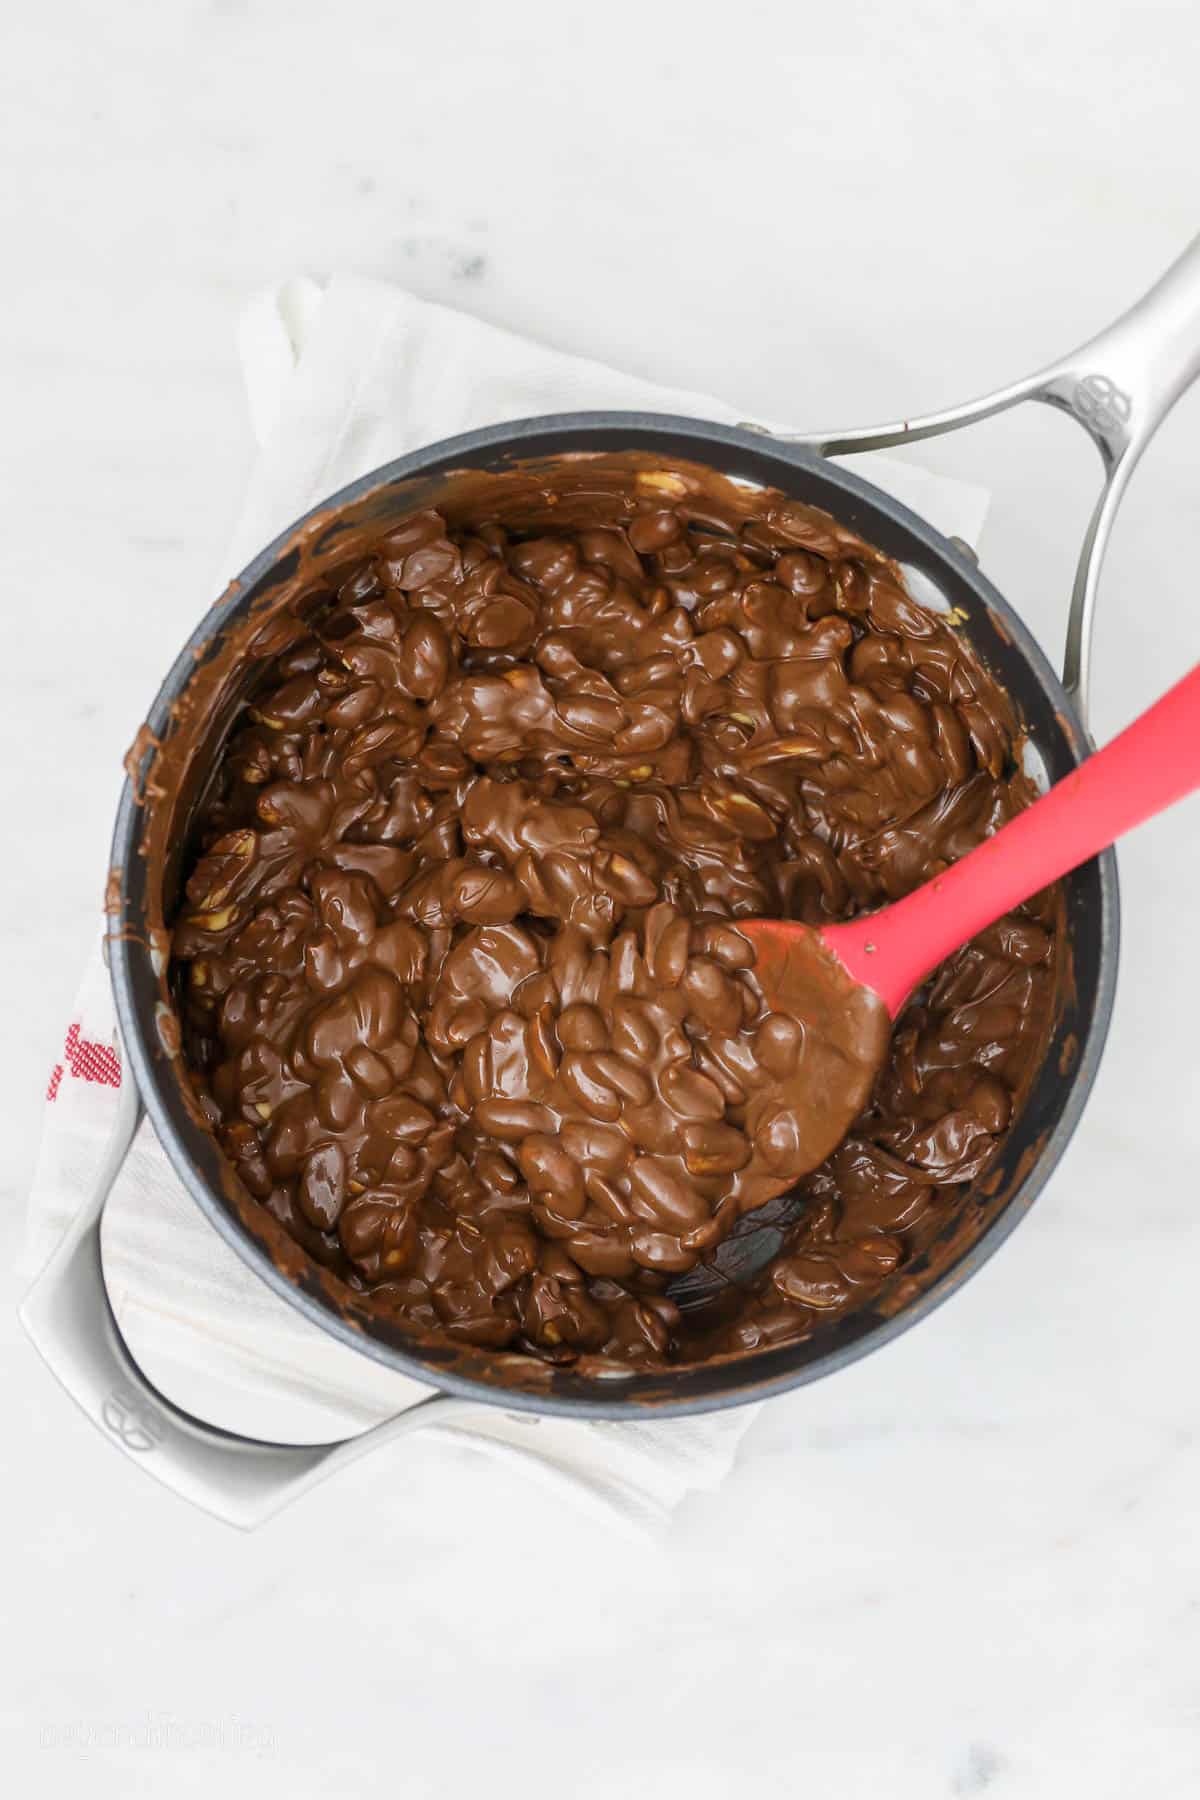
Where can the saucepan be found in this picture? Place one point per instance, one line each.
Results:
(1118, 387)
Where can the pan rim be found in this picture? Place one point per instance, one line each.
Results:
(698, 438)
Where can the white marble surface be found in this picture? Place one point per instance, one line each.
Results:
(969, 1565)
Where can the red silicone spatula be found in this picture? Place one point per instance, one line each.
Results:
(1153, 763)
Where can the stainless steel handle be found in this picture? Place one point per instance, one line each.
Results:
(241, 1480)
(1119, 386)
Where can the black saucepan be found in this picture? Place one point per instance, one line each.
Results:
(1119, 387)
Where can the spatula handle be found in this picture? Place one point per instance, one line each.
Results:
(1154, 762)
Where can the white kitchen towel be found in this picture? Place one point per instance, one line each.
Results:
(341, 378)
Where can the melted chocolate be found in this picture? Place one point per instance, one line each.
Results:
(461, 984)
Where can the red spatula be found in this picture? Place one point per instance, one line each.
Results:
(1153, 763)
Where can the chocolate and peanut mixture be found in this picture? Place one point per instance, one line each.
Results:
(461, 983)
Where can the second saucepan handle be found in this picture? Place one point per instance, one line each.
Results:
(1118, 386)
(241, 1480)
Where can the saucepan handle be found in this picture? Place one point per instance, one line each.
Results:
(1119, 386)
(68, 1315)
